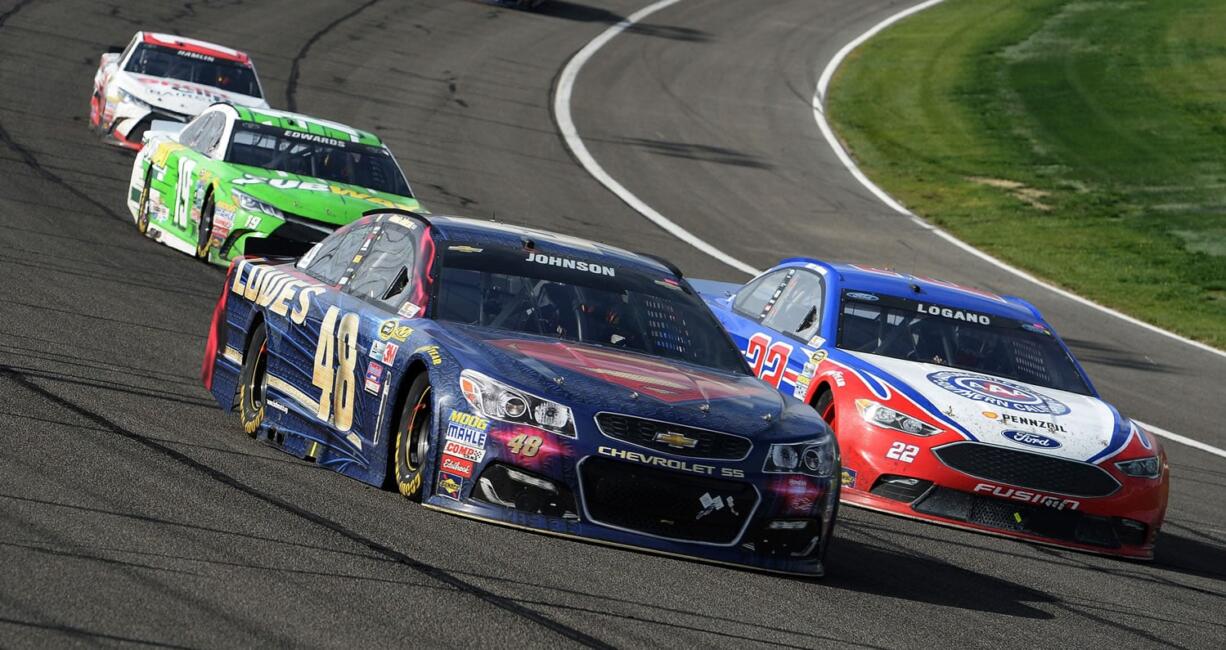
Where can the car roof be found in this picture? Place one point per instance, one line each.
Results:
(194, 45)
(890, 282)
(306, 124)
(494, 233)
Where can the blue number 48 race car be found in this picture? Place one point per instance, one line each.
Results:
(529, 379)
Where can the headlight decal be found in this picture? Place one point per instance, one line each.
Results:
(252, 204)
(815, 458)
(1148, 467)
(498, 401)
(885, 417)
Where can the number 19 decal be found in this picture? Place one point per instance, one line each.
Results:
(337, 381)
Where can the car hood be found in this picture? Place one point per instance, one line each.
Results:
(182, 97)
(587, 377)
(326, 201)
(1006, 412)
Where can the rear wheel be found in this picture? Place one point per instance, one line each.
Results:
(253, 382)
(412, 452)
(204, 230)
(142, 207)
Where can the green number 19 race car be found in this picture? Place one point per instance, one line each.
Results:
(234, 174)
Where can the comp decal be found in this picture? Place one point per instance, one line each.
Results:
(997, 392)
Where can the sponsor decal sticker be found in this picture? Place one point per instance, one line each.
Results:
(1035, 440)
(461, 450)
(449, 485)
(860, 295)
(374, 377)
(848, 478)
(392, 329)
(465, 249)
(997, 392)
(467, 429)
(409, 310)
(277, 406)
(1006, 418)
(432, 352)
(457, 466)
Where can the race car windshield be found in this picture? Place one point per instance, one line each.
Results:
(587, 301)
(318, 156)
(947, 336)
(158, 61)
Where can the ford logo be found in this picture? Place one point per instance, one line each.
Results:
(858, 295)
(1032, 439)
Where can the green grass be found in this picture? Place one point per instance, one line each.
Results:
(1084, 141)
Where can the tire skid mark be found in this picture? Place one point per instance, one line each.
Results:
(291, 85)
(441, 575)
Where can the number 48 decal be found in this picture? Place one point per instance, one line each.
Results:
(334, 372)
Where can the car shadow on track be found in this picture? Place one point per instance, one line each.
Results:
(583, 13)
(1096, 352)
(862, 567)
(1191, 552)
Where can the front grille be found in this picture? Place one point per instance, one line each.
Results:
(674, 439)
(1026, 469)
(301, 229)
(1066, 525)
(665, 504)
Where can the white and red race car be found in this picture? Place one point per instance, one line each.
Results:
(169, 78)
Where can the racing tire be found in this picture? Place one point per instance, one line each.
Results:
(412, 450)
(825, 407)
(142, 207)
(204, 229)
(253, 382)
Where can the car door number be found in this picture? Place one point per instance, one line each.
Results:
(334, 372)
(902, 451)
(183, 192)
(768, 360)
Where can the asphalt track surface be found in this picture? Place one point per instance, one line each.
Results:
(132, 511)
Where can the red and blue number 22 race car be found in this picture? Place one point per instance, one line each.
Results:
(951, 405)
(525, 378)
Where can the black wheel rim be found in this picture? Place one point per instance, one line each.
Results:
(205, 230)
(259, 379)
(419, 434)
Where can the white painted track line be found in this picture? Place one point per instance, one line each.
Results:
(819, 114)
(570, 134)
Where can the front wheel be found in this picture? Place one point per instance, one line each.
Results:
(204, 230)
(825, 407)
(253, 382)
(142, 207)
(412, 452)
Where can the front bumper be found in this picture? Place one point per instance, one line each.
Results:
(234, 227)
(1122, 521)
(126, 124)
(772, 522)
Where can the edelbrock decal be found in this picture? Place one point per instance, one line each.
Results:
(997, 392)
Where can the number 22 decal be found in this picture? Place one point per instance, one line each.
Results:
(902, 451)
(768, 360)
(334, 372)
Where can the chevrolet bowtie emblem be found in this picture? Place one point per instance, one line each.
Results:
(678, 440)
